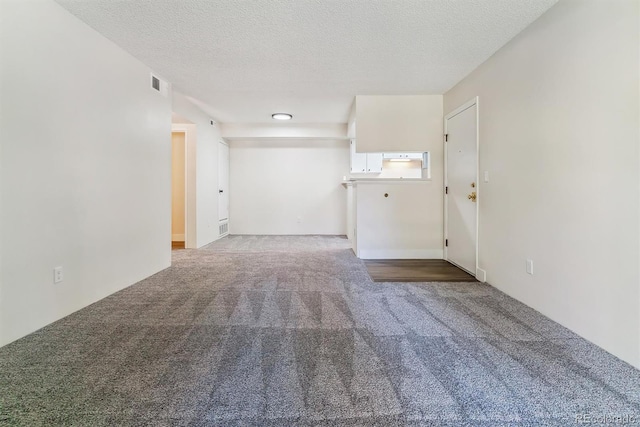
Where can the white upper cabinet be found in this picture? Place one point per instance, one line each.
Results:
(396, 123)
(365, 162)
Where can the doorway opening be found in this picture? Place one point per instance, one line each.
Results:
(183, 183)
(461, 187)
(178, 189)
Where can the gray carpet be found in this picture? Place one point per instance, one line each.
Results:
(287, 331)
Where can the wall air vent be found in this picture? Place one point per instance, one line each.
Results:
(223, 229)
(159, 85)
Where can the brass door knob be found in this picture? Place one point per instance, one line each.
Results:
(473, 185)
(472, 196)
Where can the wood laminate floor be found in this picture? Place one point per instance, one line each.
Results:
(416, 270)
(177, 245)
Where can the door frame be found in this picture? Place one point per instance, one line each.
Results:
(474, 101)
(223, 142)
(189, 131)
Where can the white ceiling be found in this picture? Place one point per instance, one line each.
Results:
(247, 59)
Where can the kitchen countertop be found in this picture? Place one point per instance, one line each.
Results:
(352, 182)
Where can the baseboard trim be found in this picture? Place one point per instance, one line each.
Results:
(177, 237)
(401, 254)
(481, 275)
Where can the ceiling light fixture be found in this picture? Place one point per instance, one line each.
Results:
(281, 116)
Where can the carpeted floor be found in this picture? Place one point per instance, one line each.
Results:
(284, 331)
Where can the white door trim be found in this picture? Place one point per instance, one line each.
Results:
(463, 107)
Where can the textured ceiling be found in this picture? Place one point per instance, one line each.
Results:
(247, 59)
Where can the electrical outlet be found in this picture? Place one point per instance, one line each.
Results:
(486, 176)
(299, 219)
(57, 275)
(530, 267)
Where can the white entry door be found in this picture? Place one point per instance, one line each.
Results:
(461, 204)
(223, 181)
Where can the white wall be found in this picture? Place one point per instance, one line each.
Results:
(203, 149)
(401, 123)
(405, 225)
(559, 134)
(84, 171)
(275, 182)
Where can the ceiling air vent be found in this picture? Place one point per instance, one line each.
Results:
(155, 83)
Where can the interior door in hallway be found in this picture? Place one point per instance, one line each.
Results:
(461, 205)
(223, 181)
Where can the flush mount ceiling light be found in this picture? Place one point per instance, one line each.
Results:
(281, 116)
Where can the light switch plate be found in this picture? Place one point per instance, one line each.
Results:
(530, 267)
